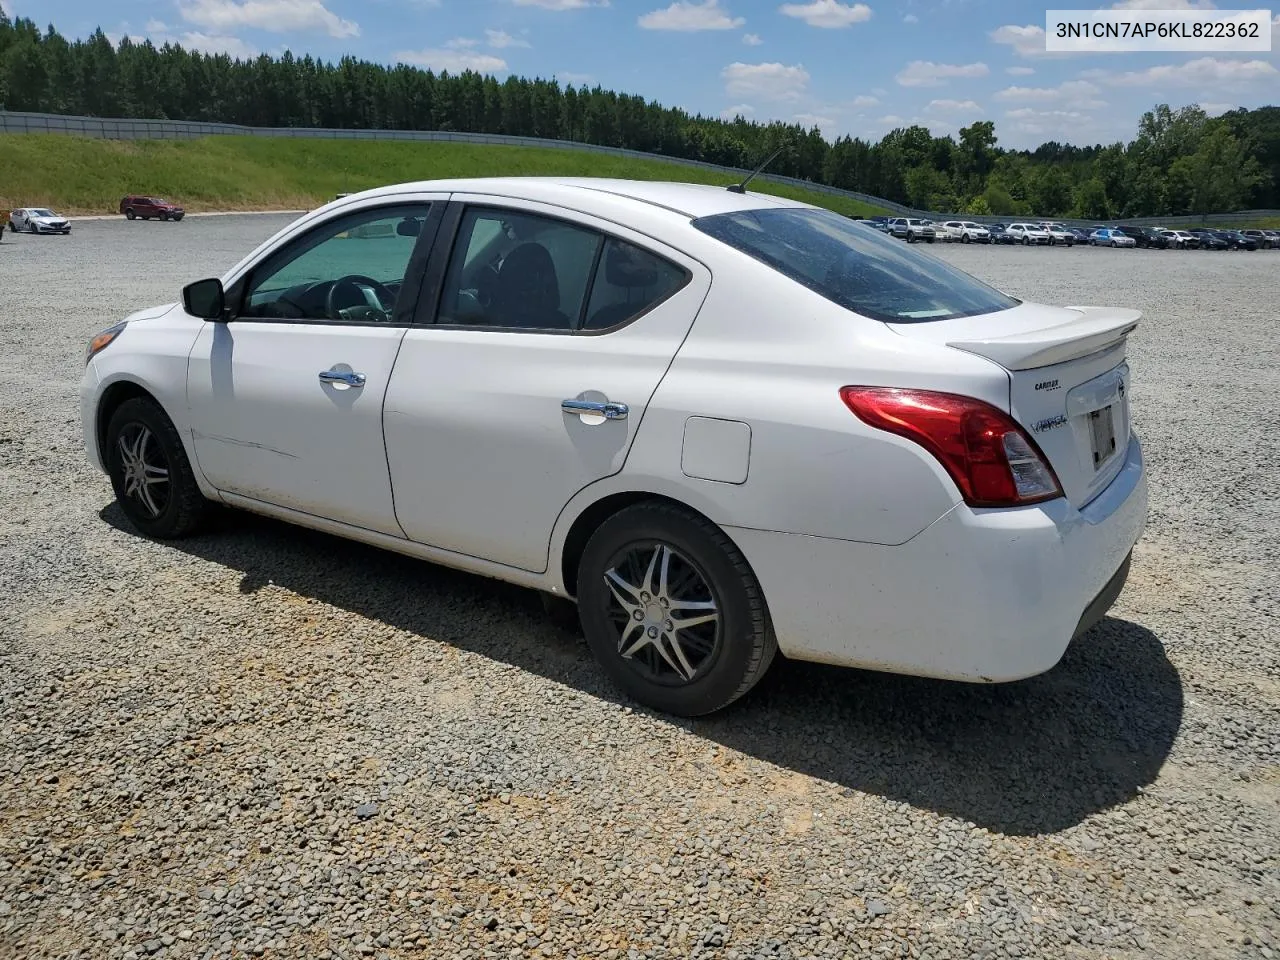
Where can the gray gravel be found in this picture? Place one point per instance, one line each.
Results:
(269, 742)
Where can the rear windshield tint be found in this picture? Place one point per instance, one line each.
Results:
(851, 264)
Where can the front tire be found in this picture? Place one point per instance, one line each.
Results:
(150, 473)
(672, 611)
(129, 214)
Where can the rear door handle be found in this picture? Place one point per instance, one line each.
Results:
(608, 409)
(348, 377)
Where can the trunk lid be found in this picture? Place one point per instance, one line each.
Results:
(1068, 381)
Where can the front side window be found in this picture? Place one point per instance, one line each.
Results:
(861, 270)
(350, 269)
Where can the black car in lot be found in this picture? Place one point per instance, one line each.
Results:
(1209, 239)
(1235, 240)
(1146, 237)
(999, 234)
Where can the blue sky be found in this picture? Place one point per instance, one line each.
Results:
(849, 67)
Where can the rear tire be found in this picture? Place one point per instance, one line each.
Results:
(150, 473)
(654, 565)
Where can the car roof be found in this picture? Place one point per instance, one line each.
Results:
(687, 199)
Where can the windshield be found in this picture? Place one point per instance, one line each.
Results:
(854, 266)
(42, 212)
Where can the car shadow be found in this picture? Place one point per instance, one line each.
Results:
(1031, 757)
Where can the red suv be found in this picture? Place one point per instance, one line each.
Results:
(148, 207)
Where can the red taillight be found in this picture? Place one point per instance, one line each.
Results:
(991, 459)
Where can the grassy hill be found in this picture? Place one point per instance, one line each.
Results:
(76, 175)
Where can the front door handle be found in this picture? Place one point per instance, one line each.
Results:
(608, 409)
(348, 377)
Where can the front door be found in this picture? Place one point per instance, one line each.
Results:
(552, 333)
(286, 397)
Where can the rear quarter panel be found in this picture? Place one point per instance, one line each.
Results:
(770, 353)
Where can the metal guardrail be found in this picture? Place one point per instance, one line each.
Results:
(111, 128)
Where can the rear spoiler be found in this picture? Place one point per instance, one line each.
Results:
(1096, 329)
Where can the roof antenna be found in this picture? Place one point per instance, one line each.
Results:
(742, 187)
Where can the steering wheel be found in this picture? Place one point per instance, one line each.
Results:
(362, 310)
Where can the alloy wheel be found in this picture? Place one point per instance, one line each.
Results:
(665, 611)
(145, 468)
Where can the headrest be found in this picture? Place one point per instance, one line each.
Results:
(528, 273)
(627, 266)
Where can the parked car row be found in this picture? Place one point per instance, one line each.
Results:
(1049, 233)
(40, 220)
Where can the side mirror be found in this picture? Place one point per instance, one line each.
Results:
(204, 299)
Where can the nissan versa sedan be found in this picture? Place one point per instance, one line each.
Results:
(722, 424)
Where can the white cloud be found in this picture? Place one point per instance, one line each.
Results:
(1026, 41)
(751, 39)
(233, 47)
(924, 73)
(455, 60)
(1075, 94)
(559, 5)
(1205, 73)
(6, 7)
(865, 101)
(808, 120)
(1019, 71)
(953, 106)
(828, 14)
(160, 33)
(274, 16)
(462, 43)
(766, 81)
(744, 110)
(687, 17)
(499, 39)
(890, 120)
(910, 18)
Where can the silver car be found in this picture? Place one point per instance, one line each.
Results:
(37, 220)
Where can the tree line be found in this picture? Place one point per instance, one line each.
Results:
(1181, 161)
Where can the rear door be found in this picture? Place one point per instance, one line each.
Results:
(529, 379)
(1068, 379)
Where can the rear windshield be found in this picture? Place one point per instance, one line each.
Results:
(859, 268)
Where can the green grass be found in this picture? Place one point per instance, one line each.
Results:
(77, 175)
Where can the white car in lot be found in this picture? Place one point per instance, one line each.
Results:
(38, 220)
(945, 232)
(966, 231)
(723, 424)
(1029, 233)
(1058, 233)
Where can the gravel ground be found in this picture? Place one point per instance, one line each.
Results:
(269, 742)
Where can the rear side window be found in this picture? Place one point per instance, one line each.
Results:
(512, 270)
(628, 282)
(855, 266)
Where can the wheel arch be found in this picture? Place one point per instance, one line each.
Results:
(112, 397)
(591, 513)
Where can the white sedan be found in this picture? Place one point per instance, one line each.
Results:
(38, 220)
(723, 424)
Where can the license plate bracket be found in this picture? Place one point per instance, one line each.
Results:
(1102, 435)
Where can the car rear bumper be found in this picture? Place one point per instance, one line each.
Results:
(979, 596)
